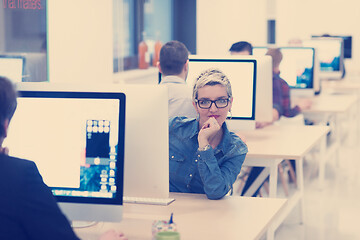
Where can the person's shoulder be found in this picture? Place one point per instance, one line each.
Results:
(283, 82)
(237, 140)
(14, 161)
(239, 144)
(182, 126)
(179, 121)
(16, 170)
(172, 79)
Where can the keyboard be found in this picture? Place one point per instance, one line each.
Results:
(146, 200)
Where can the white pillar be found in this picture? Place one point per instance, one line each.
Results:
(80, 41)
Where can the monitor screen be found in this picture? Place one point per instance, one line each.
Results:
(12, 67)
(242, 76)
(296, 67)
(330, 55)
(77, 141)
(347, 40)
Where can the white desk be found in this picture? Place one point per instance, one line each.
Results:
(271, 145)
(232, 217)
(340, 111)
(345, 86)
(331, 103)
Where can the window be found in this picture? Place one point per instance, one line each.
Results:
(23, 33)
(137, 20)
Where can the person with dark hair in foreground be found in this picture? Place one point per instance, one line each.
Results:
(28, 208)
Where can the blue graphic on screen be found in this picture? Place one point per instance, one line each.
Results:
(97, 169)
(329, 51)
(330, 64)
(296, 67)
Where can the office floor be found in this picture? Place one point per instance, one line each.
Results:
(331, 213)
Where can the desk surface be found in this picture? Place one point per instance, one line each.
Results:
(285, 142)
(341, 85)
(332, 103)
(197, 218)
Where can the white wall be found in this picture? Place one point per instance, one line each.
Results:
(2, 30)
(222, 23)
(80, 41)
(303, 18)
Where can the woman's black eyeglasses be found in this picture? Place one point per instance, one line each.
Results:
(219, 103)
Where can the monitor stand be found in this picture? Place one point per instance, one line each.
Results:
(235, 125)
(148, 200)
(82, 224)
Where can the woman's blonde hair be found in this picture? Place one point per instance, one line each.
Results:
(211, 77)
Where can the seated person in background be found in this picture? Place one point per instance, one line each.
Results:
(241, 48)
(204, 156)
(174, 66)
(245, 48)
(281, 107)
(28, 208)
(281, 92)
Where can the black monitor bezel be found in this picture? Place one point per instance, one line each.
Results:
(347, 44)
(118, 199)
(253, 61)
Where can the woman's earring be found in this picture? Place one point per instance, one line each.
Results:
(197, 116)
(230, 114)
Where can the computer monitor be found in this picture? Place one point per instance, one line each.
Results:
(242, 76)
(146, 141)
(347, 41)
(146, 157)
(76, 140)
(264, 87)
(330, 53)
(12, 67)
(298, 68)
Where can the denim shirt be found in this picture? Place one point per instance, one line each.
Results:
(213, 171)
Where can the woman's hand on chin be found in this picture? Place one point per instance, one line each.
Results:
(208, 131)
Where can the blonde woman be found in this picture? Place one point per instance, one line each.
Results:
(204, 156)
